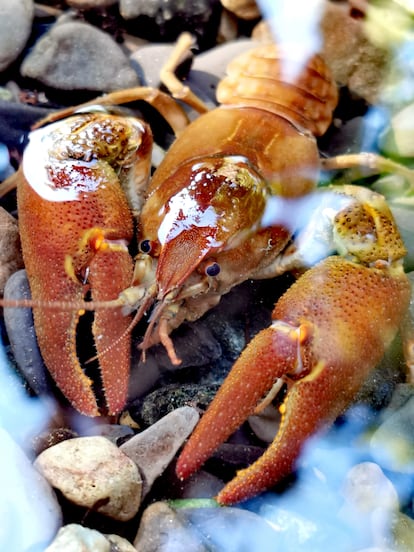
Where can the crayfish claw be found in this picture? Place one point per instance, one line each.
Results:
(327, 366)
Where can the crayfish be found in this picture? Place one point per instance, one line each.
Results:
(230, 201)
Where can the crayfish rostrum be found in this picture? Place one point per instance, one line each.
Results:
(231, 200)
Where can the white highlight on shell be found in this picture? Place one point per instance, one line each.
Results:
(38, 156)
(184, 213)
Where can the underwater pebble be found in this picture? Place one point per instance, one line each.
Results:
(167, 398)
(10, 252)
(165, 9)
(402, 528)
(381, 549)
(6, 94)
(381, 382)
(195, 345)
(392, 444)
(153, 449)
(353, 59)
(397, 139)
(22, 335)
(119, 544)
(201, 485)
(113, 432)
(348, 137)
(76, 538)
(237, 455)
(306, 526)
(16, 120)
(370, 502)
(265, 424)
(50, 437)
(6, 169)
(16, 18)
(163, 530)
(366, 487)
(77, 56)
(248, 530)
(92, 472)
(30, 512)
(167, 19)
(144, 375)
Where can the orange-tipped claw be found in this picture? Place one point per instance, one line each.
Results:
(325, 339)
(270, 355)
(56, 335)
(56, 330)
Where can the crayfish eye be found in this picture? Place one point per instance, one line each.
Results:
(145, 246)
(212, 269)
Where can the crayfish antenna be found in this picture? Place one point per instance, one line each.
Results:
(61, 305)
(135, 320)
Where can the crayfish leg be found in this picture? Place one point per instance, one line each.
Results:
(169, 79)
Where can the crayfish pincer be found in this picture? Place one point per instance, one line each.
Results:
(81, 183)
(329, 330)
(75, 226)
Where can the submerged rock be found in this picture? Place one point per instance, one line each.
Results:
(30, 512)
(161, 529)
(93, 472)
(75, 538)
(10, 252)
(16, 18)
(90, 4)
(392, 443)
(153, 449)
(77, 56)
(166, 19)
(22, 335)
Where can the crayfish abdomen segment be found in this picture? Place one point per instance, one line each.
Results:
(281, 82)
